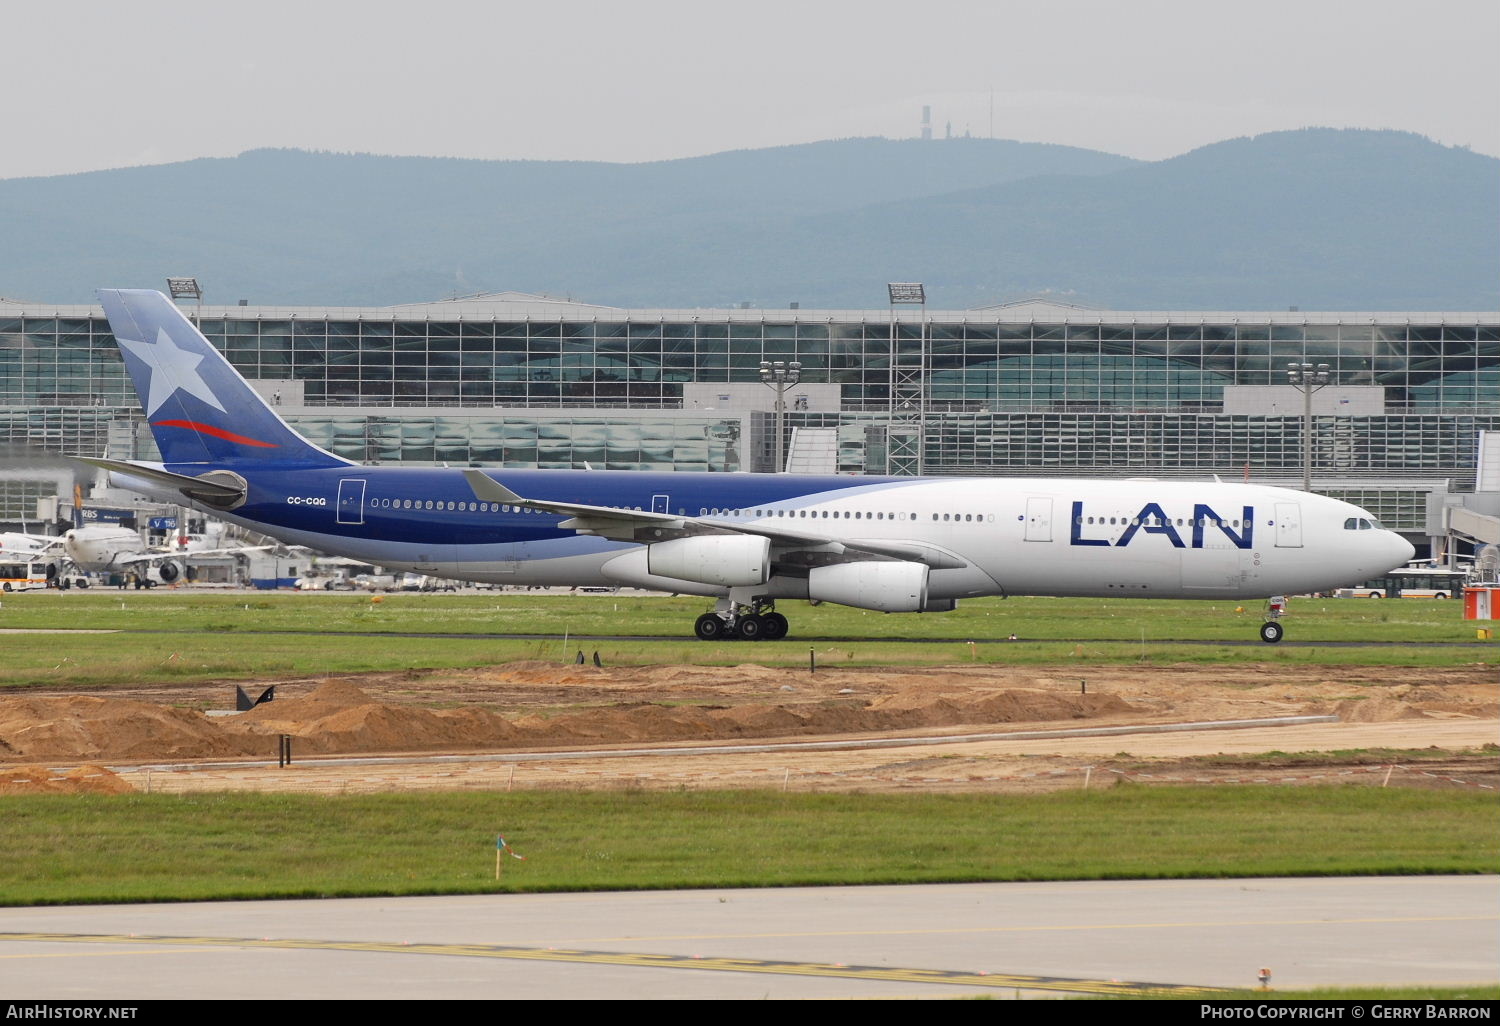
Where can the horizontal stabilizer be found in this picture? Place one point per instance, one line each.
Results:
(222, 493)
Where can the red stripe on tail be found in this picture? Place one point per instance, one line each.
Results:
(228, 436)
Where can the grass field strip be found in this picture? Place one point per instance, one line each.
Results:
(1294, 779)
(794, 643)
(626, 958)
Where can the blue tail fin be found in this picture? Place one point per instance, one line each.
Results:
(199, 408)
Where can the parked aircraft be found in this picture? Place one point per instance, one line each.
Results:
(13, 543)
(895, 544)
(106, 548)
(30, 560)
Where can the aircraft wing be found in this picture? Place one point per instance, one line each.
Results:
(233, 551)
(33, 554)
(28, 554)
(42, 544)
(623, 525)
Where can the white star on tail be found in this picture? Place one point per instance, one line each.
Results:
(172, 369)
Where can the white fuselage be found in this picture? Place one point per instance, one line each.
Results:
(99, 547)
(989, 536)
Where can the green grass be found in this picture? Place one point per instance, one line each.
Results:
(1474, 993)
(205, 635)
(1366, 756)
(82, 849)
(1064, 620)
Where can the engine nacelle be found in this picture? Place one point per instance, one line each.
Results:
(892, 587)
(728, 560)
(169, 571)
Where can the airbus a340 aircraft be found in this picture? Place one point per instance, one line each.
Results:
(891, 544)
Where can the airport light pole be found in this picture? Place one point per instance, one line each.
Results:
(908, 386)
(187, 288)
(780, 376)
(1307, 378)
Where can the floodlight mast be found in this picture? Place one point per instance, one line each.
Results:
(187, 288)
(1307, 378)
(780, 376)
(905, 452)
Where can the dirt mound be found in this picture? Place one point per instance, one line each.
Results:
(339, 717)
(537, 671)
(939, 705)
(80, 780)
(327, 698)
(80, 727)
(1375, 710)
(547, 704)
(760, 720)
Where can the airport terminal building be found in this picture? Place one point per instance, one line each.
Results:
(1032, 388)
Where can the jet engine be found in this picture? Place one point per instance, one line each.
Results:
(169, 571)
(728, 560)
(893, 587)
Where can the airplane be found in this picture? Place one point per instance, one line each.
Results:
(13, 543)
(108, 548)
(104, 548)
(892, 544)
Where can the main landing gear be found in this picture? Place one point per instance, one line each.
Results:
(754, 621)
(1271, 631)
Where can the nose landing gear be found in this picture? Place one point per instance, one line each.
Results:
(1271, 631)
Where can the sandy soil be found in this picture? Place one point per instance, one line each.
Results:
(535, 724)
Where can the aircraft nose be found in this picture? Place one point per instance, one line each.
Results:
(1402, 549)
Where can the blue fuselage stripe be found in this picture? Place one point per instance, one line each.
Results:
(332, 502)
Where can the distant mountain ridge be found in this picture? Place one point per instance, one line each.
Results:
(1320, 218)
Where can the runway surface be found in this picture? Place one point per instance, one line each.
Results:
(1017, 939)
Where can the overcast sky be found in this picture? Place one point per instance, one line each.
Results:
(87, 85)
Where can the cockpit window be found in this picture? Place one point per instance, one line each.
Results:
(1362, 524)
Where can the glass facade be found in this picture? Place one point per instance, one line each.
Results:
(1033, 388)
(561, 443)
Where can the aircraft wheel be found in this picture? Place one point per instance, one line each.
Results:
(1271, 632)
(751, 628)
(776, 626)
(709, 627)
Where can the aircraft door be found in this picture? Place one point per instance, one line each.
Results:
(1039, 518)
(351, 509)
(1288, 525)
(659, 503)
